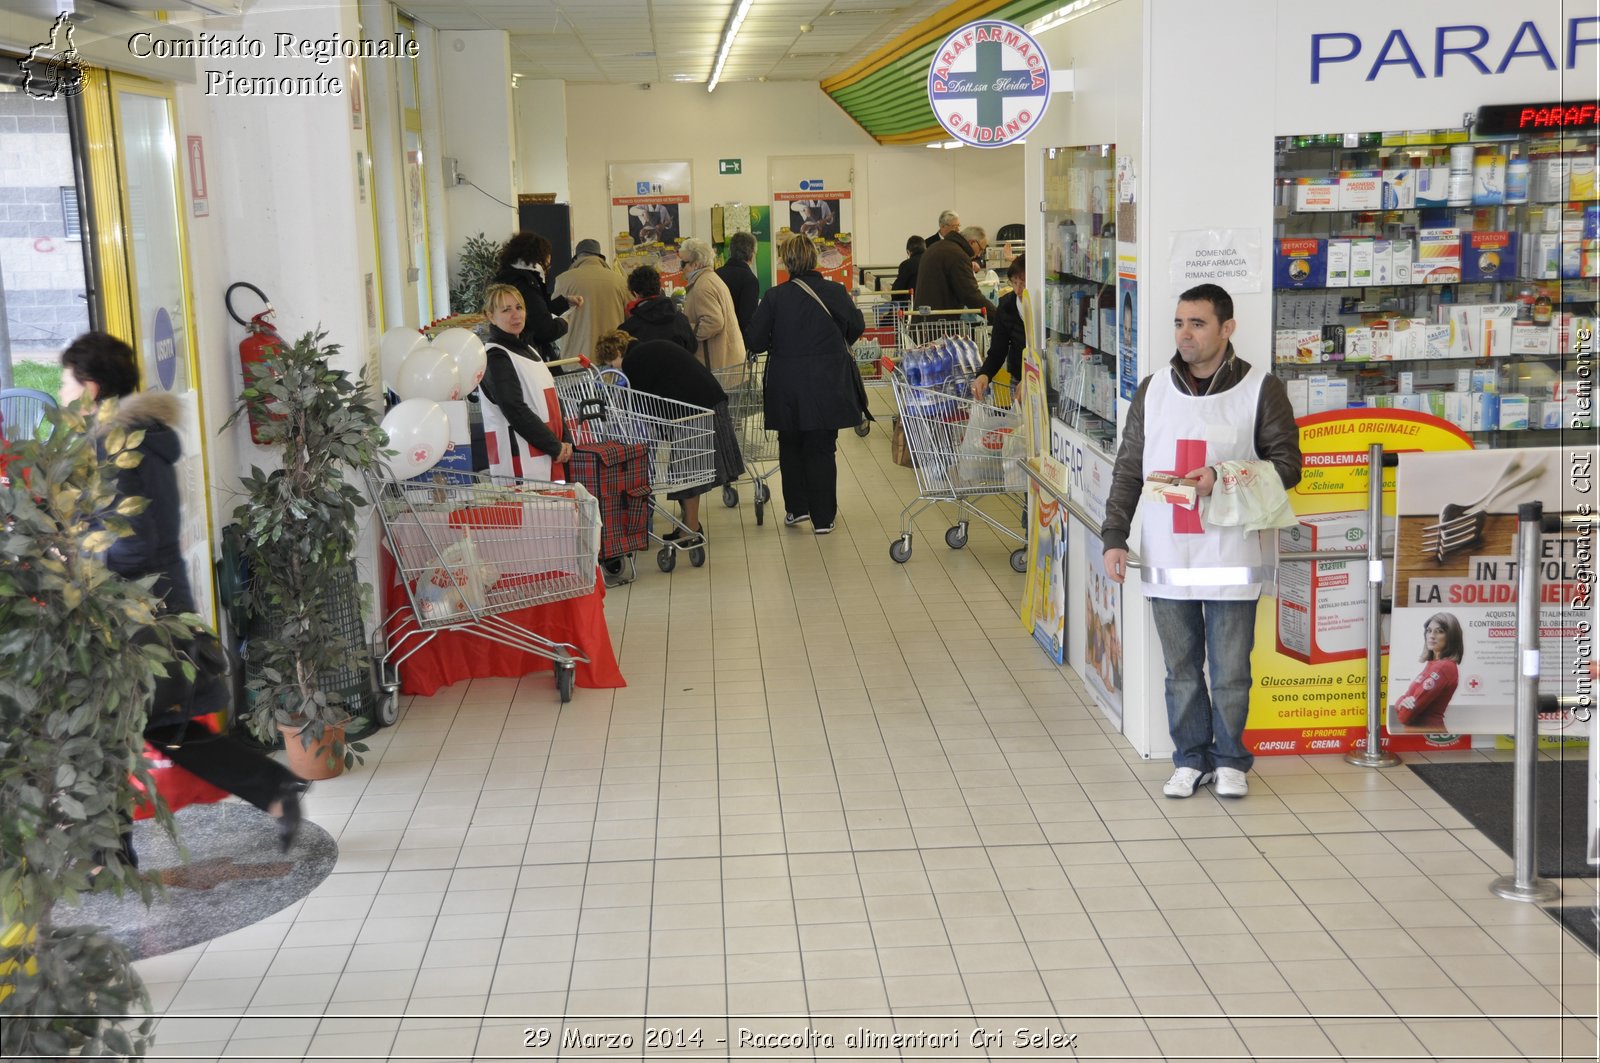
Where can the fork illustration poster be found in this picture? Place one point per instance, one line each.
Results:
(1453, 633)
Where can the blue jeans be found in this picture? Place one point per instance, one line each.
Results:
(1207, 726)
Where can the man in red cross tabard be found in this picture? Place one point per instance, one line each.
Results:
(1210, 406)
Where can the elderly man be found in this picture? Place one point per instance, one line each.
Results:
(949, 222)
(945, 280)
(605, 298)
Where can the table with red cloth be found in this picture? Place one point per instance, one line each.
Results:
(455, 654)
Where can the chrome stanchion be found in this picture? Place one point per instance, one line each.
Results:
(1374, 755)
(1524, 884)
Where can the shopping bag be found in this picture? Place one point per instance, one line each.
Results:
(899, 451)
(991, 445)
(175, 785)
(458, 584)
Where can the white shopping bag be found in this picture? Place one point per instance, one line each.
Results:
(991, 446)
(458, 585)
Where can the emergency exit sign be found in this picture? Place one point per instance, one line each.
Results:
(725, 166)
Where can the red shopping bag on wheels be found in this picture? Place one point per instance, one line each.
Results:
(178, 787)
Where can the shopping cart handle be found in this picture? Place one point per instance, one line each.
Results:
(886, 364)
(580, 361)
(591, 410)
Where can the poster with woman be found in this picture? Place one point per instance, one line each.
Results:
(1102, 636)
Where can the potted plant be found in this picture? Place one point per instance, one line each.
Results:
(298, 532)
(82, 649)
(474, 269)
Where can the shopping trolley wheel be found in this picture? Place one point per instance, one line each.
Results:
(864, 428)
(566, 675)
(697, 556)
(1019, 560)
(730, 495)
(900, 550)
(667, 559)
(761, 511)
(385, 708)
(763, 492)
(956, 537)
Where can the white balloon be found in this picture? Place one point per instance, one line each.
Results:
(467, 349)
(428, 373)
(419, 433)
(392, 351)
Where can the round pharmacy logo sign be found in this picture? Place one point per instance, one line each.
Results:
(989, 83)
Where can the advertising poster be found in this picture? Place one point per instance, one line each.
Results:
(649, 211)
(1309, 660)
(1127, 325)
(1453, 645)
(821, 216)
(1047, 574)
(1102, 636)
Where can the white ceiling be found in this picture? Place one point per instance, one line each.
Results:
(632, 41)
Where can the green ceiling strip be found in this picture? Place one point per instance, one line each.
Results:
(894, 99)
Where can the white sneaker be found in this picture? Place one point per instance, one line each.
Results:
(1185, 781)
(1231, 782)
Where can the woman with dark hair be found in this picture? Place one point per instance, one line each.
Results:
(652, 316)
(524, 264)
(812, 386)
(1422, 706)
(1008, 337)
(905, 278)
(739, 274)
(96, 367)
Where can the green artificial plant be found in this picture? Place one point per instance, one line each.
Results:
(474, 269)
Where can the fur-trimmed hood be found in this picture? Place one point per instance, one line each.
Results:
(157, 413)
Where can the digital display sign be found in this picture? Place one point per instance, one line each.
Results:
(1501, 119)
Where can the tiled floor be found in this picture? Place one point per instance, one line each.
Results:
(841, 793)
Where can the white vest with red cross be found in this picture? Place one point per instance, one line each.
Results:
(1181, 557)
(509, 454)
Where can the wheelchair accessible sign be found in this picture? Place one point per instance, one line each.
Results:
(989, 83)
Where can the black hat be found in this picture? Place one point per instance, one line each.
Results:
(589, 247)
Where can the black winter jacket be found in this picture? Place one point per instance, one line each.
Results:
(905, 278)
(745, 289)
(661, 367)
(1006, 341)
(502, 385)
(656, 318)
(542, 327)
(812, 383)
(153, 548)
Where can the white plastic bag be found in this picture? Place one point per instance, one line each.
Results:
(459, 586)
(990, 447)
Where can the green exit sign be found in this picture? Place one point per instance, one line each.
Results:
(730, 166)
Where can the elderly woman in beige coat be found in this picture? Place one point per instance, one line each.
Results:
(709, 308)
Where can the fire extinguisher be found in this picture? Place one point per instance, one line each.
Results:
(261, 341)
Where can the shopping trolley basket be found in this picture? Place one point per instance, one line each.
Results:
(680, 437)
(961, 450)
(758, 445)
(470, 552)
(884, 319)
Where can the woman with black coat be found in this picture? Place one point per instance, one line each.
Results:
(813, 389)
(653, 316)
(1008, 337)
(95, 367)
(905, 278)
(524, 264)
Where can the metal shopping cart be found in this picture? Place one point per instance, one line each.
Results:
(757, 444)
(472, 551)
(681, 438)
(884, 318)
(962, 450)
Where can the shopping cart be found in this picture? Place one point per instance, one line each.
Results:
(596, 407)
(758, 445)
(470, 552)
(884, 318)
(962, 450)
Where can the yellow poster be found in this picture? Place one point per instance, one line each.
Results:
(1309, 661)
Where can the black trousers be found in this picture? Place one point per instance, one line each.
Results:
(223, 761)
(810, 471)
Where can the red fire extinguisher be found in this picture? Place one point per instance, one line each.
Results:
(260, 342)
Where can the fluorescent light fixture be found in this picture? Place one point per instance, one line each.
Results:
(946, 144)
(734, 22)
(1063, 14)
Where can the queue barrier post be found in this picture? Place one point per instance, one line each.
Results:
(1373, 755)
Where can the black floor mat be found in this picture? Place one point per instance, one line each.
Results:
(1482, 793)
(1582, 920)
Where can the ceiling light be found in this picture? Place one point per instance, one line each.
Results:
(1063, 14)
(734, 22)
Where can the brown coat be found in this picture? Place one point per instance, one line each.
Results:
(605, 299)
(709, 308)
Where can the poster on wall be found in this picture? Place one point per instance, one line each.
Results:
(1229, 257)
(1309, 659)
(1102, 635)
(1127, 321)
(1047, 574)
(650, 214)
(821, 216)
(1454, 636)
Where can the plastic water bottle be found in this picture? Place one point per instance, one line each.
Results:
(912, 364)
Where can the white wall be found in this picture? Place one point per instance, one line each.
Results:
(477, 128)
(899, 191)
(541, 115)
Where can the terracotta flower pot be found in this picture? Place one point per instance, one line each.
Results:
(318, 761)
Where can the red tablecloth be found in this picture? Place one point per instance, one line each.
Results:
(452, 656)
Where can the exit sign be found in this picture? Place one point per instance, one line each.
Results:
(725, 166)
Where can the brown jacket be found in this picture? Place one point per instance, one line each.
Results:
(944, 277)
(709, 308)
(1277, 439)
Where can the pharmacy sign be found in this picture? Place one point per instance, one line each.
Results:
(989, 83)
